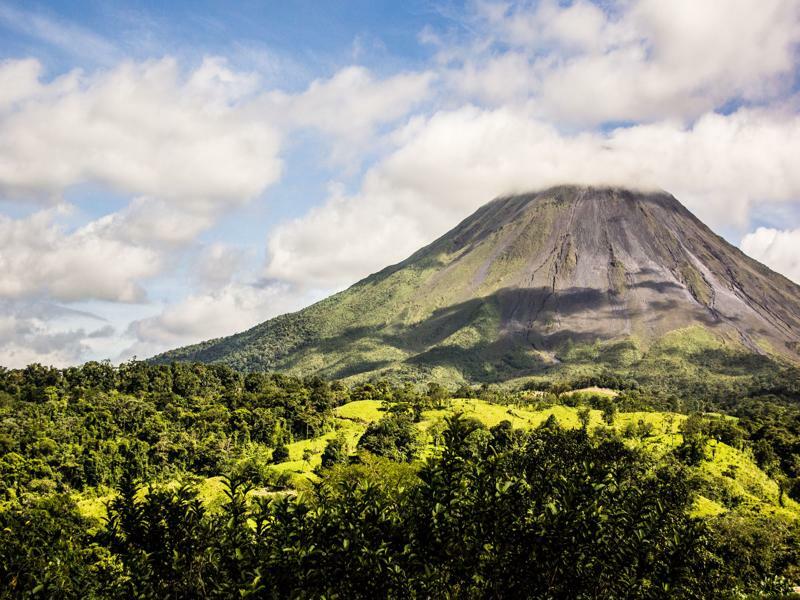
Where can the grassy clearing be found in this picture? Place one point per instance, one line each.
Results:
(731, 472)
(306, 455)
(704, 507)
(365, 411)
(594, 390)
(749, 484)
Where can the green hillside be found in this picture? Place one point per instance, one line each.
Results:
(729, 480)
(745, 488)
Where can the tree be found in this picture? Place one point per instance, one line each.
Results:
(551, 423)
(503, 434)
(437, 394)
(609, 410)
(280, 453)
(336, 452)
(585, 417)
(394, 436)
(765, 456)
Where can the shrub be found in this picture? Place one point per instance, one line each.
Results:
(394, 436)
(280, 453)
(336, 452)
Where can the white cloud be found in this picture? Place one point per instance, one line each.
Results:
(19, 79)
(39, 258)
(149, 220)
(778, 249)
(349, 106)
(187, 147)
(352, 102)
(498, 80)
(141, 129)
(346, 238)
(640, 60)
(574, 27)
(447, 165)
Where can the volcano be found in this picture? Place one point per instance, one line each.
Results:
(531, 283)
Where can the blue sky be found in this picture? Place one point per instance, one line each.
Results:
(292, 41)
(174, 173)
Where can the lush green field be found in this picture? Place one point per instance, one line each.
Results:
(745, 486)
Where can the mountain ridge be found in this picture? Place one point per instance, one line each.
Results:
(522, 278)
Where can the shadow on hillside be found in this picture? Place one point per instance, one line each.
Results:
(512, 333)
(512, 327)
(725, 361)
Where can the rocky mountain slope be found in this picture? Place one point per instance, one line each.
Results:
(527, 284)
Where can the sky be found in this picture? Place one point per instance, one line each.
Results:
(174, 172)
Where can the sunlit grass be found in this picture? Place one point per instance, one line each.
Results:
(361, 410)
(734, 469)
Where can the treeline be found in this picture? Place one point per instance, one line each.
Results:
(498, 513)
(682, 392)
(69, 429)
(83, 427)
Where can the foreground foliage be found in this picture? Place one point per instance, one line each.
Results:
(499, 513)
(605, 508)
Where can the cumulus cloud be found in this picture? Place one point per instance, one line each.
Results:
(638, 60)
(19, 79)
(140, 128)
(778, 249)
(347, 237)
(40, 258)
(147, 220)
(349, 106)
(186, 147)
(447, 165)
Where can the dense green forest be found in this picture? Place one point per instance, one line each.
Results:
(197, 481)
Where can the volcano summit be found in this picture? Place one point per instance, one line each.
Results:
(531, 283)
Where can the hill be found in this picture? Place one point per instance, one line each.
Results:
(569, 278)
(745, 486)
